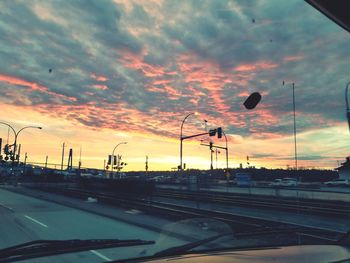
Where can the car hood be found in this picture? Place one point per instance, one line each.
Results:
(307, 253)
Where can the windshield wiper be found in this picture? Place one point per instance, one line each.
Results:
(185, 248)
(43, 248)
(344, 239)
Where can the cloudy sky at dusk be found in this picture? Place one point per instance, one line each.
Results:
(132, 70)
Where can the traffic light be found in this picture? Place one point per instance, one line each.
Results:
(210, 145)
(114, 160)
(219, 130)
(212, 132)
(109, 159)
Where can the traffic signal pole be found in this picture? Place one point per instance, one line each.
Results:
(217, 147)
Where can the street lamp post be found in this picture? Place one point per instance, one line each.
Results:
(295, 132)
(112, 161)
(347, 103)
(181, 137)
(16, 136)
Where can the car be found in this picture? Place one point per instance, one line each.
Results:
(338, 182)
(285, 182)
(276, 182)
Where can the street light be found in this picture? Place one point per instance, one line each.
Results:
(181, 137)
(347, 104)
(112, 161)
(16, 135)
(295, 132)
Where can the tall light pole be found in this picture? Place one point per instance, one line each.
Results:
(295, 132)
(112, 161)
(16, 136)
(181, 137)
(347, 103)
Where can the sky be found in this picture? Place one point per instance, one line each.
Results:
(97, 73)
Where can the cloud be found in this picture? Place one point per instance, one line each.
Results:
(148, 64)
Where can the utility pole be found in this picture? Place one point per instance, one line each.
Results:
(19, 153)
(211, 155)
(216, 153)
(211, 146)
(47, 157)
(62, 157)
(25, 163)
(79, 165)
(70, 159)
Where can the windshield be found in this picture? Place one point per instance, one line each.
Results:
(124, 118)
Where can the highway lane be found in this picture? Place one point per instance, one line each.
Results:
(24, 219)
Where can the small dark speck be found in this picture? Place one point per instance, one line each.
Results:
(270, 40)
(50, 70)
(253, 20)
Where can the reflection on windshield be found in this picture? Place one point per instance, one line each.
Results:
(194, 126)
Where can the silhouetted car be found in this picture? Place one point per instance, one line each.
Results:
(338, 182)
(285, 182)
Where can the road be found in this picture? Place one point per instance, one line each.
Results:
(23, 219)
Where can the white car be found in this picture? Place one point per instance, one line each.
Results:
(284, 182)
(338, 182)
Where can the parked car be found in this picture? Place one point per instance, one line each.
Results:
(285, 182)
(338, 182)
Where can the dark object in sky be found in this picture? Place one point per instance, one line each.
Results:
(50, 70)
(336, 10)
(253, 100)
(253, 20)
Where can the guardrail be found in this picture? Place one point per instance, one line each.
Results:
(242, 223)
(299, 193)
(281, 203)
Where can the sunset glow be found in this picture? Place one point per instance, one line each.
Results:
(93, 75)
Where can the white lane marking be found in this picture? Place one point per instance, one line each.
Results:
(100, 255)
(36, 221)
(4, 206)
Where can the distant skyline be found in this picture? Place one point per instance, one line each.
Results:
(96, 73)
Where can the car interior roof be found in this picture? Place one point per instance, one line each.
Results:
(336, 10)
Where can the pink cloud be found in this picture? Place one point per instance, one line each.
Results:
(258, 66)
(98, 77)
(293, 58)
(100, 87)
(136, 61)
(32, 86)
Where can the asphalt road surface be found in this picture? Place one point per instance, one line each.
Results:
(24, 219)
